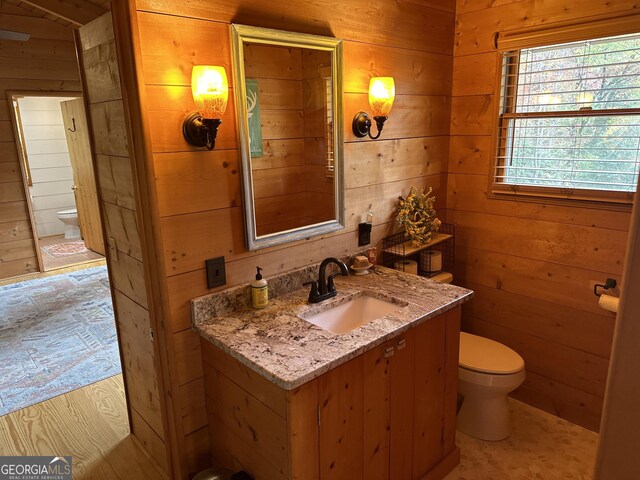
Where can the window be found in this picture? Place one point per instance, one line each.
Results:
(569, 120)
(328, 125)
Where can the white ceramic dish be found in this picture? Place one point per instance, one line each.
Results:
(361, 270)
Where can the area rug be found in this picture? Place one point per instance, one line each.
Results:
(64, 249)
(57, 334)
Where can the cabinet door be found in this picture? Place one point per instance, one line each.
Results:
(340, 396)
(429, 382)
(377, 404)
(382, 414)
(354, 408)
(452, 347)
(402, 407)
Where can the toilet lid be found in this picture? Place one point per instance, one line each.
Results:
(487, 356)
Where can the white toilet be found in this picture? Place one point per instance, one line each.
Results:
(487, 372)
(70, 220)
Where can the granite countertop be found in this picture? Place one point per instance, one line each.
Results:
(289, 351)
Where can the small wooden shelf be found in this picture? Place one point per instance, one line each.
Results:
(407, 249)
(397, 246)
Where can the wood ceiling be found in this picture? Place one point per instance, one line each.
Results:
(70, 13)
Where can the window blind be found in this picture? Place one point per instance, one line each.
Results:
(569, 119)
(567, 32)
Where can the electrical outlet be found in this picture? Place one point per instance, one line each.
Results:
(216, 276)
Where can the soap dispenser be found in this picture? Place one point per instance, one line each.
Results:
(259, 291)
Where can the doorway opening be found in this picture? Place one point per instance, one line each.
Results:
(57, 168)
(59, 324)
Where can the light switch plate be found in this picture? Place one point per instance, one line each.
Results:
(364, 234)
(216, 275)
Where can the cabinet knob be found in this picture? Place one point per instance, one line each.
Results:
(401, 344)
(388, 352)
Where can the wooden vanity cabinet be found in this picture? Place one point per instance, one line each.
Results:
(388, 414)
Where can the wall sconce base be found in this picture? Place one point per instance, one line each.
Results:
(362, 125)
(200, 132)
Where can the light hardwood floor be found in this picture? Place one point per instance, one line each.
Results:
(90, 424)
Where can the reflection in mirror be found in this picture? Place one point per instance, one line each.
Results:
(292, 170)
(290, 131)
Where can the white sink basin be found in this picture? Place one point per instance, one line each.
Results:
(352, 314)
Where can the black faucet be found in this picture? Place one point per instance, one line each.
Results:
(325, 288)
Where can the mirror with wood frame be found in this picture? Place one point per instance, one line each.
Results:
(288, 92)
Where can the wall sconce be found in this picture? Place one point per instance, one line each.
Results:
(382, 92)
(210, 90)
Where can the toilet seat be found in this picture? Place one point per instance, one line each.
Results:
(485, 356)
(500, 381)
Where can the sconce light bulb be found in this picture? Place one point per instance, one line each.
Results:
(382, 92)
(210, 90)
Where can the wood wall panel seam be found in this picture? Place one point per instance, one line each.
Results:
(119, 206)
(602, 249)
(347, 189)
(341, 234)
(149, 439)
(538, 219)
(404, 137)
(124, 157)
(603, 273)
(491, 319)
(531, 279)
(434, 17)
(247, 264)
(281, 414)
(435, 5)
(103, 102)
(581, 370)
(471, 181)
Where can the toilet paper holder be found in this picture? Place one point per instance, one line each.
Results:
(609, 283)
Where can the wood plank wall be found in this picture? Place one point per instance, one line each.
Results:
(47, 62)
(532, 265)
(199, 192)
(125, 255)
